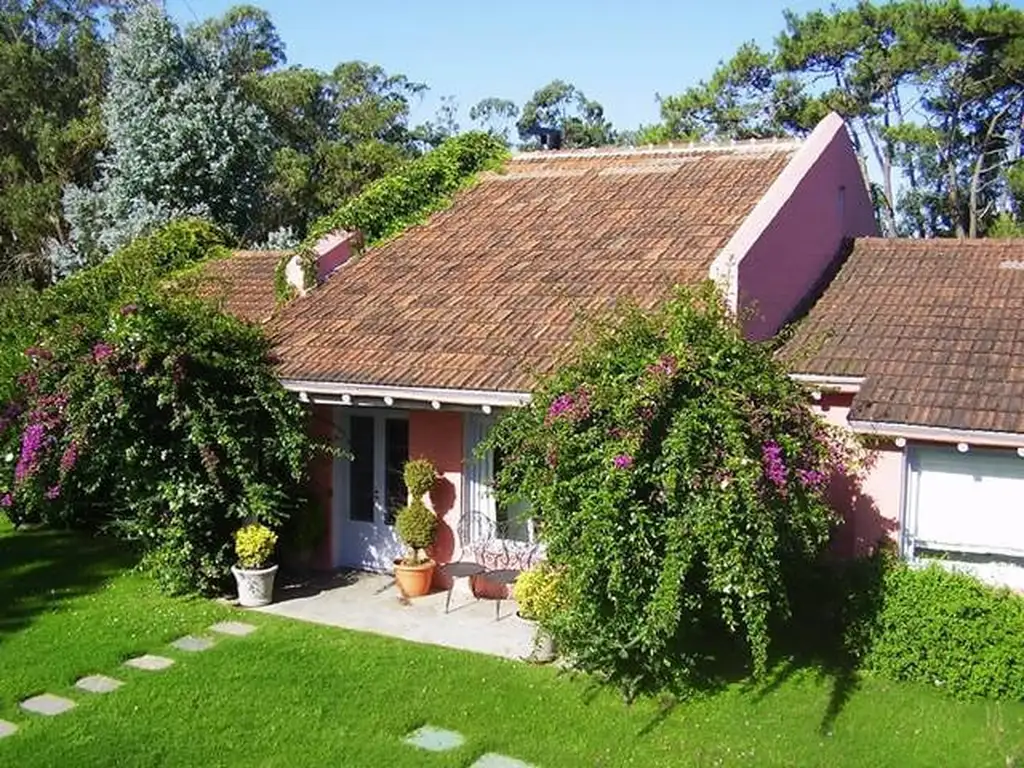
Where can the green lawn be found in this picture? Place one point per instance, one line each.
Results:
(301, 695)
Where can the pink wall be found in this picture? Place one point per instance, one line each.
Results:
(437, 436)
(801, 238)
(870, 502)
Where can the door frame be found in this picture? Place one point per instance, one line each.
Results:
(342, 467)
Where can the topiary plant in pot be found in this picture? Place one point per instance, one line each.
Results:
(416, 526)
(254, 545)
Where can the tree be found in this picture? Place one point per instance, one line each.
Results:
(496, 116)
(183, 140)
(52, 67)
(562, 106)
(931, 94)
(244, 40)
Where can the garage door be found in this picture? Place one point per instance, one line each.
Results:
(969, 504)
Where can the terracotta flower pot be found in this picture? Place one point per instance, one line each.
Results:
(414, 580)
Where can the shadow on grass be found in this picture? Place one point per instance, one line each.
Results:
(42, 569)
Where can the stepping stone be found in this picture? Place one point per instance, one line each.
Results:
(494, 760)
(149, 663)
(192, 643)
(7, 729)
(435, 739)
(236, 628)
(47, 704)
(98, 684)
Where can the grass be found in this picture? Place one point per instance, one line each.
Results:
(302, 695)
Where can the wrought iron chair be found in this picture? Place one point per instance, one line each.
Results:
(505, 558)
(473, 532)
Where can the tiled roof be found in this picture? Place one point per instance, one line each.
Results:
(488, 291)
(244, 282)
(935, 326)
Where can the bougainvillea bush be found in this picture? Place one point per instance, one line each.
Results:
(678, 479)
(160, 418)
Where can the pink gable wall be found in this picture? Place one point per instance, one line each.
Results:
(797, 231)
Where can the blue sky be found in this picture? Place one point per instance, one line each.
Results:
(619, 52)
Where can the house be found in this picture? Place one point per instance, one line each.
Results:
(412, 348)
(920, 343)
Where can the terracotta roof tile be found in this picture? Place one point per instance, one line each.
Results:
(935, 326)
(487, 292)
(244, 282)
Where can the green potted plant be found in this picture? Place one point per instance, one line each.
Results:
(416, 525)
(254, 545)
(537, 595)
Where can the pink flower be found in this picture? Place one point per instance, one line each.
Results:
(101, 351)
(811, 478)
(774, 467)
(53, 492)
(622, 461)
(69, 457)
(6, 500)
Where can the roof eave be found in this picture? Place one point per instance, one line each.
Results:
(938, 434)
(343, 393)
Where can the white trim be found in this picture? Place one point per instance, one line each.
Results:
(757, 146)
(478, 397)
(725, 269)
(846, 385)
(939, 434)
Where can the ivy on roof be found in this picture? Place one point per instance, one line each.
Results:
(404, 198)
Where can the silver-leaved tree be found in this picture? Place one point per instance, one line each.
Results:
(182, 140)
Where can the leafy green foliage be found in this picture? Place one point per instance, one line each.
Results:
(563, 106)
(678, 479)
(147, 411)
(416, 526)
(412, 192)
(536, 592)
(947, 629)
(420, 477)
(254, 545)
(52, 66)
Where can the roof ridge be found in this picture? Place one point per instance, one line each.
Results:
(744, 145)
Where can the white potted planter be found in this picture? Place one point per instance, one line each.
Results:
(254, 545)
(255, 587)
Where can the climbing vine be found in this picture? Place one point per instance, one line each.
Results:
(678, 481)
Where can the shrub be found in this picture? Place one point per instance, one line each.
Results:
(419, 476)
(416, 526)
(536, 592)
(254, 545)
(157, 417)
(950, 630)
(678, 478)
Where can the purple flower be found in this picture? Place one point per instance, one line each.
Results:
(622, 461)
(560, 406)
(69, 457)
(31, 443)
(129, 309)
(6, 500)
(101, 351)
(53, 492)
(811, 478)
(774, 467)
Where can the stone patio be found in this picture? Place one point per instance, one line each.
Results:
(372, 603)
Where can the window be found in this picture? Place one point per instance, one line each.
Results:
(487, 518)
(968, 510)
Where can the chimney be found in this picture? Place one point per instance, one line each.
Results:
(330, 252)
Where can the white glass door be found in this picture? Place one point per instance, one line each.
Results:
(371, 489)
